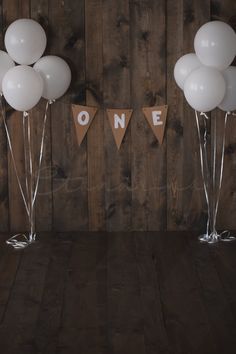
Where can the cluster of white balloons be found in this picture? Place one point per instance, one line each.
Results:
(23, 85)
(206, 77)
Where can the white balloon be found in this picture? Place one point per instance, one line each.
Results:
(25, 41)
(184, 66)
(22, 87)
(6, 63)
(204, 89)
(229, 101)
(215, 44)
(56, 75)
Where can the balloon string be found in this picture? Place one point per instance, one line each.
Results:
(221, 167)
(202, 150)
(212, 235)
(29, 176)
(31, 192)
(12, 154)
(41, 149)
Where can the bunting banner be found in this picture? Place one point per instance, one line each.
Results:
(156, 117)
(119, 120)
(83, 117)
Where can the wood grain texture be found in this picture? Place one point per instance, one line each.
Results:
(185, 195)
(116, 94)
(70, 184)
(225, 11)
(122, 55)
(13, 10)
(121, 293)
(148, 73)
(94, 97)
(4, 198)
(43, 216)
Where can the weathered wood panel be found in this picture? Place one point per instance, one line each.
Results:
(148, 68)
(122, 54)
(116, 93)
(4, 201)
(13, 10)
(70, 197)
(94, 97)
(43, 216)
(225, 11)
(185, 205)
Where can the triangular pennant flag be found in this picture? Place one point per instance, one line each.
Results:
(156, 117)
(119, 121)
(83, 117)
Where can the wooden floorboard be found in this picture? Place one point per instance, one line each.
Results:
(184, 312)
(118, 293)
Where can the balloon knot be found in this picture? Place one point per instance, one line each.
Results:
(204, 114)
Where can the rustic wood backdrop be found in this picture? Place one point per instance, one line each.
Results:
(122, 54)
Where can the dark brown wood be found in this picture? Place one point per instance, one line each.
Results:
(43, 215)
(224, 260)
(225, 11)
(14, 9)
(185, 195)
(51, 308)
(9, 263)
(125, 321)
(69, 187)
(23, 304)
(116, 94)
(122, 55)
(220, 317)
(4, 201)
(154, 327)
(122, 293)
(148, 71)
(84, 314)
(184, 311)
(94, 97)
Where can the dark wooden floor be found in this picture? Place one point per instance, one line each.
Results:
(118, 293)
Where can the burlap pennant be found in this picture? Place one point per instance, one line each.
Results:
(119, 120)
(83, 117)
(156, 117)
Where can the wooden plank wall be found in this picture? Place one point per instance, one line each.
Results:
(122, 54)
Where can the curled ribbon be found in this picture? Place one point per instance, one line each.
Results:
(212, 197)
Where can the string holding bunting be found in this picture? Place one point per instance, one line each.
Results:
(119, 120)
(156, 117)
(83, 117)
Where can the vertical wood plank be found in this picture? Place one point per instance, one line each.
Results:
(185, 204)
(4, 201)
(148, 72)
(43, 208)
(70, 196)
(224, 11)
(94, 97)
(13, 10)
(116, 90)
